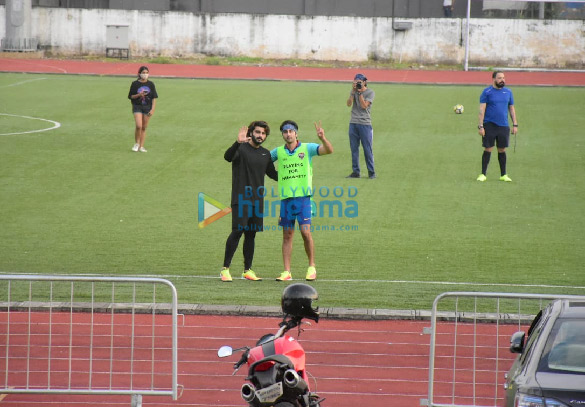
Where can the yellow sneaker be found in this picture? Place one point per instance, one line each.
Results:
(284, 276)
(505, 178)
(250, 275)
(481, 178)
(225, 275)
(311, 274)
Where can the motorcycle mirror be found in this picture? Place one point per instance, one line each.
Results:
(225, 351)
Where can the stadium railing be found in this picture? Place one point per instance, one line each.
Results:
(469, 344)
(88, 336)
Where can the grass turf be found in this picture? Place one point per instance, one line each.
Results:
(76, 200)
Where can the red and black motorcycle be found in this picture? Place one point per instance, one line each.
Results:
(276, 365)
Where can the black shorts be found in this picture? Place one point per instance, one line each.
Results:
(247, 218)
(144, 109)
(495, 135)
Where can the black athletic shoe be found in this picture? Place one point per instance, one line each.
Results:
(353, 175)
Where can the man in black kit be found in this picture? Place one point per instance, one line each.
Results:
(250, 162)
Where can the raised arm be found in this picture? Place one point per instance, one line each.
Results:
(230, 153)
(325, 147)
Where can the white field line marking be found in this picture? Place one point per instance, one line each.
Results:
(411, 282)
(56, 125)
(22, 83)
(175, 276)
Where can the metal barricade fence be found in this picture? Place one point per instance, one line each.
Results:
(88, 335)
(469, 346)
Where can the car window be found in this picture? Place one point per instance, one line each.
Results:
(565, 347)
(533, 333)
(535, 321)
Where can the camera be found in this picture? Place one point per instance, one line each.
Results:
(358, 85)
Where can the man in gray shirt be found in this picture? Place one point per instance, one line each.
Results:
(360, 126)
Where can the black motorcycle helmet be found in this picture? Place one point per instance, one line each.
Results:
(297, 301)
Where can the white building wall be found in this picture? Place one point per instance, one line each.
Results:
(501, 42)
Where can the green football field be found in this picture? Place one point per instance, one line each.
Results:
(77, 200)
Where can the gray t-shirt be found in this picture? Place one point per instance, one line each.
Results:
(359, 115)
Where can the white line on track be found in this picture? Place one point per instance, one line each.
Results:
(56, 125)
(37, 64)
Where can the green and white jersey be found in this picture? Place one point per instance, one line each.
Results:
(295, 169)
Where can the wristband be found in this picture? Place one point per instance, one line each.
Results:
(515, 125)
(480, 127)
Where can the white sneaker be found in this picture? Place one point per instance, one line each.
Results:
(136, 146)
(142, 150)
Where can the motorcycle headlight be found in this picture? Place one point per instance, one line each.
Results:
(525, 400)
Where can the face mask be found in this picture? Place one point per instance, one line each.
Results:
(143, 76)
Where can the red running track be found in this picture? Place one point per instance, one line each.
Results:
(371, 363)
(514, 78)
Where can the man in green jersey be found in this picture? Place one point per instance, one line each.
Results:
(295, 187)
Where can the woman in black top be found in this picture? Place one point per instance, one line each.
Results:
(143, 97)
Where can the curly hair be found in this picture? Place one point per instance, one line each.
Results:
(258, 123)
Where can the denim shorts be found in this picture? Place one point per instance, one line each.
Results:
(144, 109)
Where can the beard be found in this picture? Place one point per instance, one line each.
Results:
(500, 85)
(257, 140)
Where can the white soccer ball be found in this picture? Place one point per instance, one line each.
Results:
(458, 109)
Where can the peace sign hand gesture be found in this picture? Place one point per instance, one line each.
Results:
(325, 147)
(320, 131)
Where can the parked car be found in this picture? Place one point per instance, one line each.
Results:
(550, 368)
